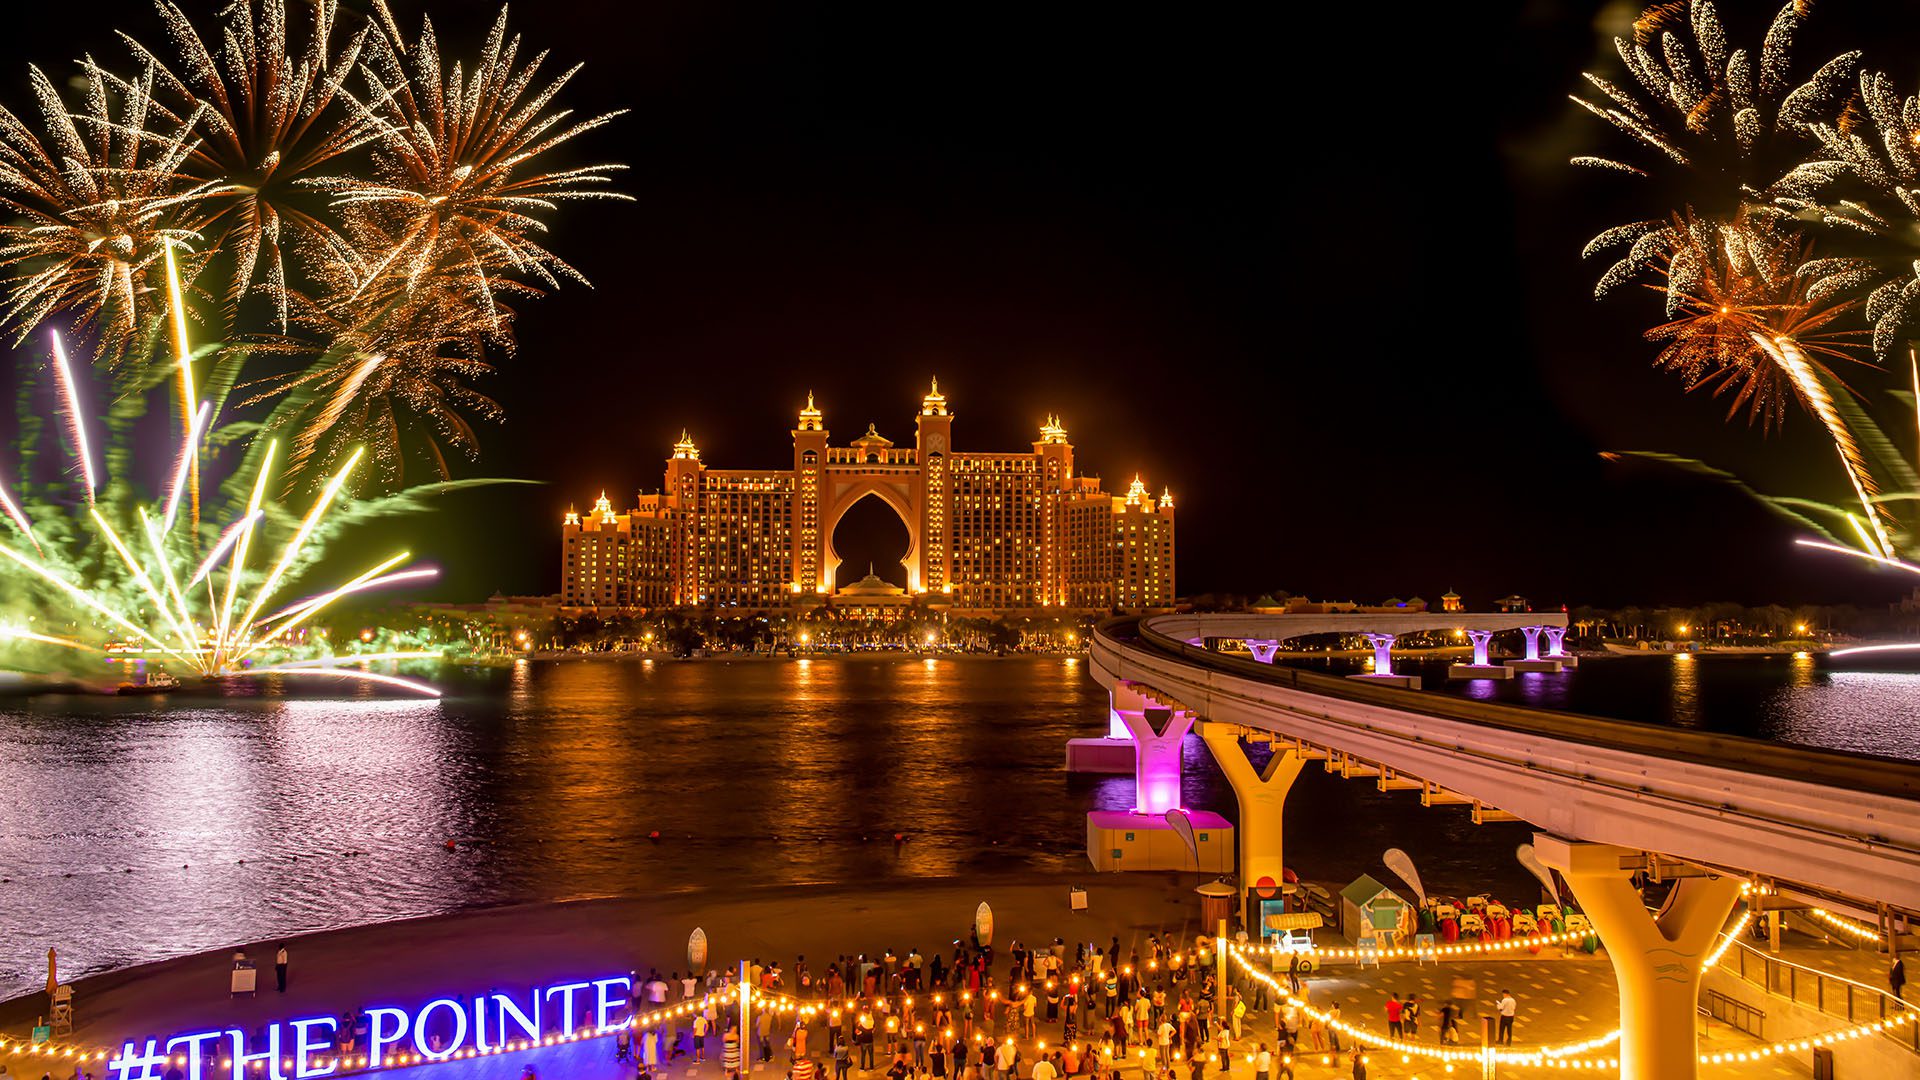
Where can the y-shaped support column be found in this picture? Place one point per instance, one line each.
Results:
(1262, 650)
(1555, 635)
(1481, 639)
(1157, 733)
(1382, 653)
(1657, 959)
(1533, 640)
(1262, 796)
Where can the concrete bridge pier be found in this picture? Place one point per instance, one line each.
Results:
(1483, 666)
(1383, 664)
(1658, 959)
(1556, 646)
(1157, 734)
(1262, 650)
(1262, 795)
(1157, 833)
(1533, 661)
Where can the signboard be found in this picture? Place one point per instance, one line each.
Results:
(298, 1049)
(697, 949)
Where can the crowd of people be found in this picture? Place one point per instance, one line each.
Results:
(1047, 1013)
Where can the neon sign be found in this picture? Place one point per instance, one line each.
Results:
(443, 1028)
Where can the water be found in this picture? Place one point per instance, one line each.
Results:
(124, 823)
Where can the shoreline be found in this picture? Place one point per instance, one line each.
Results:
(529, 944)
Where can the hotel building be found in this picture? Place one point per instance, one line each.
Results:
(986, 531)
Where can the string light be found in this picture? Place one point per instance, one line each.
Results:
(1845, 926)
(1564, 1056)
(777, 1003)
(1727, 939)
(1410, 952)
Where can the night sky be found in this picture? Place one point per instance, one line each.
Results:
(1321, 277)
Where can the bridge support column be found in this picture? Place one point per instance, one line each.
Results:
(1262, 650)
(1533, 661)
(1262, 796)
(1482, 667)
(1657, 958)
(1383, 664)
(1556, 646)
(1482, 644)
(1157, 734)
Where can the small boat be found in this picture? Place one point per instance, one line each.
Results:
(154, 682)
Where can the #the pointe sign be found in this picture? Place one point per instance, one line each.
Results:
(445, 1027)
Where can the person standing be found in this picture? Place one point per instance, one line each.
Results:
(700, 1025)
(1223, 1045)
(1409, 1017)
(1507, 1008)
(1333, 1025)
(1897, 976)
(280, 969)
(1393, 1015)
(730, 1051)
(1262, 1063)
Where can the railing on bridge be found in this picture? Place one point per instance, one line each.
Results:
(1840, 998)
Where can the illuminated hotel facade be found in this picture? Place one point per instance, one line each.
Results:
(985, 531)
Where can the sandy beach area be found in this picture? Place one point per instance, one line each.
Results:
(414, 960)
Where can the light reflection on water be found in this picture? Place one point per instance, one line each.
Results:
(549, 778)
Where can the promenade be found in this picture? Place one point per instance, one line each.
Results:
(1562, 997)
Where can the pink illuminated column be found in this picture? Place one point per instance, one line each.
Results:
(1481, 640)
(1555, 635)
(1157, 734)
(1116, 727)
(1262, 650)
(1533, 640)
(1382, 652)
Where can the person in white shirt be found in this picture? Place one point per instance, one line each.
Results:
(1044, 1070)
(1262, 1063)
(1507, 1007)
(1006, 1060)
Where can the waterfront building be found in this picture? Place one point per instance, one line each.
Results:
(986, 531)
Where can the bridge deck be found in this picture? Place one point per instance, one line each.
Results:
(1841, 825)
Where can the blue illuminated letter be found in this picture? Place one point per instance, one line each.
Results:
(304, 1048)
(193, 1043)
(377, 1039)
(420, 1042)
(530, 1025)
(604, 1006)
(242, 1059)
(566, 992)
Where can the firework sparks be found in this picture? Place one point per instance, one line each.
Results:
(194, 624)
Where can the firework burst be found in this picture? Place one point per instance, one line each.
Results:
(265, 117)
(1732, 122)
(1746, 288)
(341, 197)
(97, 204)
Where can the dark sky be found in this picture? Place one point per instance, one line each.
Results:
(1319, 276)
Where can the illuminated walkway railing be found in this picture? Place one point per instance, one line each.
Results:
(1832, 995)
